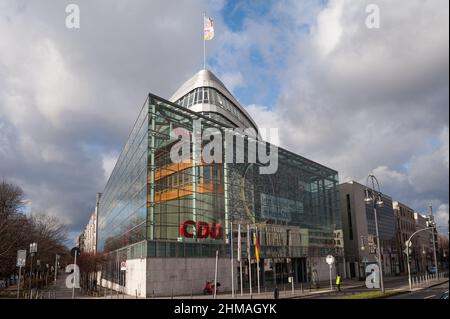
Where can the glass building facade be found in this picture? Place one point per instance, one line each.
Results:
(152, 207)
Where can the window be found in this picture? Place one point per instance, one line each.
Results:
(349, 214)
(207, 174)
(205, 95)
(196, 97)
(191, 99)
(186, 177)
(211, 96)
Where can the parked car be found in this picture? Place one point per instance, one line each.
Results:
(444, 295)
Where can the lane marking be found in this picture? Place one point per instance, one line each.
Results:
(430, 297)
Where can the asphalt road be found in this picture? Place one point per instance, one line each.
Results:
(430, 293)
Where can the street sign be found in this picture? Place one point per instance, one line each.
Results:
(33, 248)
(330, 260)
(123, 266)
(21, 258)
(75, 250)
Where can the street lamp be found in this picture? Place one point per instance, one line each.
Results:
(33, 250)
(371, 197)
(431, 223)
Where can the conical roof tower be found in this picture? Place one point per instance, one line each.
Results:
(206, 94)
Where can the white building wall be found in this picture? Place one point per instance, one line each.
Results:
(136, 277)
(184, 276)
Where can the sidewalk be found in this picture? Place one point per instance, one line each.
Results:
(285, 291)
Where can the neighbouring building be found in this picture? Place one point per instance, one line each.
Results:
(161, 223)
(358, 223)
(80, 242)
(423, 253)
(90, 231)
(442, 252)
(405, 227)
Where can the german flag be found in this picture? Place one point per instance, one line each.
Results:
(255, 239)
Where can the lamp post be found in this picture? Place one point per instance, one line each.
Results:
(371, 197)
(432, 224)
(408, 245)
(33, 250)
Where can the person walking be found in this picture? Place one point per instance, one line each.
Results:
(338, 281)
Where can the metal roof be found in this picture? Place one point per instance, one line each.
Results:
(206, 78)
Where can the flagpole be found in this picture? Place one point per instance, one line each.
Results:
(240, 257)
(257, 260)
(204, 42)
(249, 259)
(232, 260)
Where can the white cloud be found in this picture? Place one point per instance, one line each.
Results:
(329, 29)
(108, 162)
(68, 98)
(355, 99)
(361, 100)
(441, 217)
(232, 80)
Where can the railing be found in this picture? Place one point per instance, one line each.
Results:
(424, 279)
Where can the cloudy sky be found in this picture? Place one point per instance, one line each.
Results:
(356, 99)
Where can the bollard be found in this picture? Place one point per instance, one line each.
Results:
(276, 293)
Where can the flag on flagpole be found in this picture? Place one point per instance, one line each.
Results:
(208, 28)
(248, 243)
(239, 247)
(256, 247)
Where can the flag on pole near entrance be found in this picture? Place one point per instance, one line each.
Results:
(256, 247)
(239, 247)
(248, 243)
(208, 28)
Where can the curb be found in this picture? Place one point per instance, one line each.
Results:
(404, 292)
(401, 292)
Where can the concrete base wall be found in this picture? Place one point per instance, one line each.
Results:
(183, 276)
(136, 277)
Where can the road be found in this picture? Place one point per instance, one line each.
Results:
(389, 283)
(430, 293)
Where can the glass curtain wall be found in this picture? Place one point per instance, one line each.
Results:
(122, 208)
(295, 210)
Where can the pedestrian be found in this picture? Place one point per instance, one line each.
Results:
(276, 293)
(338, 281)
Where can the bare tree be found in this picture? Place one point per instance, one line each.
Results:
(51, 237)
(17, 231)
(11, 199)
(12, 223)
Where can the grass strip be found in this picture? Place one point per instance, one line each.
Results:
(372, 295)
